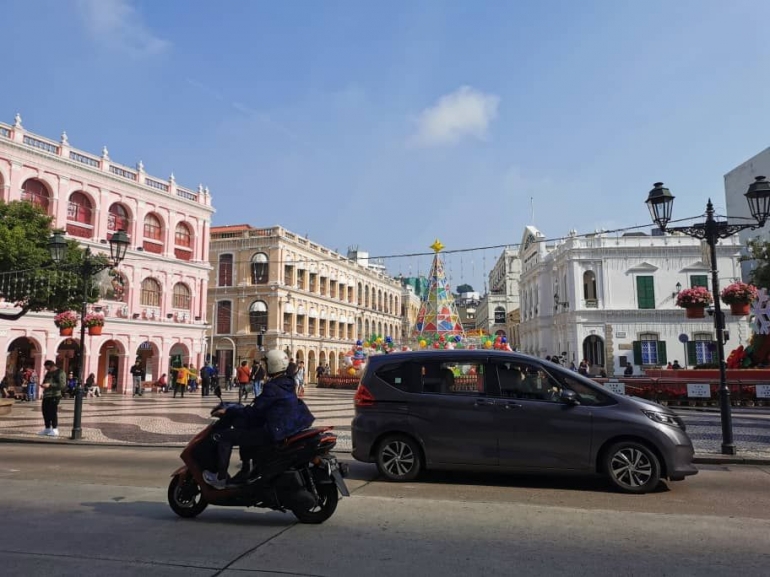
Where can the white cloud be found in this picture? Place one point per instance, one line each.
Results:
(465, 112)
(117, 25)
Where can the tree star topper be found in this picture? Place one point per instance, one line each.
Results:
(437, 246)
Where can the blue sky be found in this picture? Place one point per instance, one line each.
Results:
(386, 125)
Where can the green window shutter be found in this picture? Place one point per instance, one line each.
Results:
(645, 292)
(637, 352)
(699, 280)
(662, 359)
(692, 355)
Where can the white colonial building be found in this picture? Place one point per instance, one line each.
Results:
(503, 295)
(612, 299)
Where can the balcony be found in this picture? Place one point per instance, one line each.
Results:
(79, 230)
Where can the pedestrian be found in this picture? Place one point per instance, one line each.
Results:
(257, 376)
(92, 389)
(243, 376)
(676, 366)
(319, 371)
(583, 368)
(53, 385)
(299, 378)
(31, 377)
(192, 379)
(629, 371)
(207, 373)
(180, 380)
(4, 387)
(138, 375)
(163, 383)
(72, 384)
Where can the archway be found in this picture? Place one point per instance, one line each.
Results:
(300, 355)
(178, 355)
(68, 356)
(332, 364)
(111, 365)
(224, 357)
(148, 355)
(21, 353)
(311, 366)
(593, 350)
(322, 359)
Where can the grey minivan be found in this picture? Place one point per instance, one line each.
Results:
(503, 411)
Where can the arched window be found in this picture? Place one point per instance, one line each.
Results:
(153, 228)
(151, 293)
(366, 330)
(499, 316)
(34, 191)
(360, 294)
(183, 242)
(589, 286)
(366, 297)
(181, 296)
(259, 268)
(118, 218)
(379, 300)
(258, 316)
(224, 317)
(225, 270)
(79, 209)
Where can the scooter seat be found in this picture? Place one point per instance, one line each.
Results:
(307, 433)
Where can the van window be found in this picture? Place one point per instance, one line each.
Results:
(395, 375)
(587, 395)
(453, 378)
(521, 380)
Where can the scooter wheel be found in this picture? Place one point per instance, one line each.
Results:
(185, 498)
(325, 508)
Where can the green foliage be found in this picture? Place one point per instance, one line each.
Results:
(464, 288)
(36, 284)
(759, 253)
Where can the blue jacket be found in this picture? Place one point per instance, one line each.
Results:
(278, 410)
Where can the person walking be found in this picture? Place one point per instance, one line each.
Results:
(192, 379)
(31, 384)
(257, 376)
(138, 374)
(243, 376)
(53, 385)
(207, 374)
(319, 372)
(299, 378)
(180, 380)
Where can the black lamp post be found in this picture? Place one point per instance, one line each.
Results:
(660, 201)
(86, 269)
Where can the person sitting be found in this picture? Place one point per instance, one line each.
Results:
(273, 416)
(629, 372)
(676, 366)
(91, 387)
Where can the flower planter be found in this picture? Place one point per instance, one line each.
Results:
(95, 331)
(65, 331)
(695, 312)
(740, 309)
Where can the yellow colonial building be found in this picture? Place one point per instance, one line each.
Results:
(275, 289)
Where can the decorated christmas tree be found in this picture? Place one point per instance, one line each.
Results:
(438, 315)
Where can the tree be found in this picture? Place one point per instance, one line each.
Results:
(759, 254)
(464, 288)
(29, 279)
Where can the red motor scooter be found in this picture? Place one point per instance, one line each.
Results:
(298, 475)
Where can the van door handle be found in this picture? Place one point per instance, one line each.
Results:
(484, 403)
(511, 405)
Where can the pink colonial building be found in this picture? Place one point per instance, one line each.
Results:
(155, 302)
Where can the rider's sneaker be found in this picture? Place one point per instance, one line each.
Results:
(239, 478)
(54, 433)
(45, 432)
(213, 480)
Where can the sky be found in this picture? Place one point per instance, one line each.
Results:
(388, 125)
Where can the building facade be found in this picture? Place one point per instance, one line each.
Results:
(154, 303)
(275, 289)
(737, 182)
(612, 299)
(503, 296)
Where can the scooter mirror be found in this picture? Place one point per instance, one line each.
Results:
(218, 392)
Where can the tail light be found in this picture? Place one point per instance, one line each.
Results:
(363, 397)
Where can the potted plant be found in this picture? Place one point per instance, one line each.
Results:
(66, 321)
(94, 322)
(694, 300)
(739, 296)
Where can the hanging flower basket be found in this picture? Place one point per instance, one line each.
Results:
(694, 301)
(66, 321)
(95, 330)
(94, 322)
(740, 309)
(695, 312)
(739, 296)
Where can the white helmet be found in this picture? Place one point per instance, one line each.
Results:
(277, 361)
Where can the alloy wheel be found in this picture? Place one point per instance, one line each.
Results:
(398, 458)
(631, 467)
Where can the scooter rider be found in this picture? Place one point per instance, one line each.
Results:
(272, 417)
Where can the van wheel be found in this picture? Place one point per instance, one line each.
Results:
(632, 467)
(399, 458)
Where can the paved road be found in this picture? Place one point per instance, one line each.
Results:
(75, 510)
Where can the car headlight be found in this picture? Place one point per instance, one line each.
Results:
(671, 420)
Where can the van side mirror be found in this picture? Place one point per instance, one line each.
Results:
(569, 397)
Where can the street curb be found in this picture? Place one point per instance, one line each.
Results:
(705, 459)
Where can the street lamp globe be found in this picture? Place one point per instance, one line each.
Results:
(57, 245)
(758, 197)
(660, 201)
(118, 245)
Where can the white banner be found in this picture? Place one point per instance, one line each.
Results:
(699, 390)
(763, 391)
(616, 387)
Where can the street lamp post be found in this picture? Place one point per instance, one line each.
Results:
(660, 202)
(86, 269)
